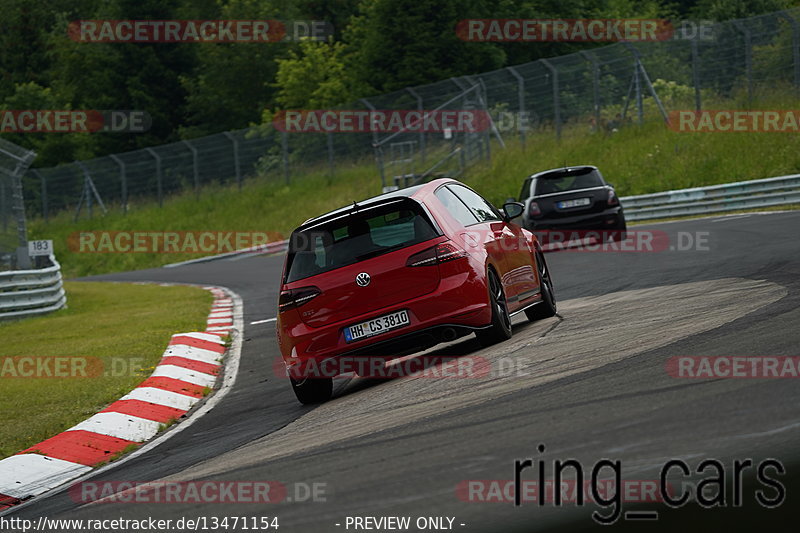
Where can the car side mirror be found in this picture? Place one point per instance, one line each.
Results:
(512, 210)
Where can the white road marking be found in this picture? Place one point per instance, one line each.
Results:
(731, 217)
(201, 336)
(162, 397)
(263, 321)
(184, 374)
(119, 425)
(195, 354)
(31, 474)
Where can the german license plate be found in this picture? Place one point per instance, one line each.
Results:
(376, 326)
(577, 202)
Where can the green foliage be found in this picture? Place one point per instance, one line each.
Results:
(736, 9)
(378, 46)
(51, 148)
(315, 76)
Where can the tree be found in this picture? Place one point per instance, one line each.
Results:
(401, 43)
(51, 148)
(314, 77)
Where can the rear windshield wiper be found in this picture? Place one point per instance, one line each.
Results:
(380, 251)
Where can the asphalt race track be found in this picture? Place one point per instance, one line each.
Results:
(589, 384)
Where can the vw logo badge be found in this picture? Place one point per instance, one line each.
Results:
(363, 279)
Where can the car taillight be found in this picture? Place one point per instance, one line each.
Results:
(533, 209)
(612, 198)
(441, 253)
(291, 298)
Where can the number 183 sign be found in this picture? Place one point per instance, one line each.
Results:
(37, 248)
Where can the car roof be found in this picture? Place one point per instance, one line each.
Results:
(563, 170)
(408, 192)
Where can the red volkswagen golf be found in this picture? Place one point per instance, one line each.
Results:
(404, 271)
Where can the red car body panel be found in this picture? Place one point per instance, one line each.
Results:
(452, 293)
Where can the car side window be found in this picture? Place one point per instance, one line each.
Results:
(525, 193)
(482, 209)
(455, 206)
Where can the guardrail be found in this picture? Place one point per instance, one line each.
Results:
(782, 190)
(25, 293)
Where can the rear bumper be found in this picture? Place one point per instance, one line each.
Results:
(609, 219)
(459, 306)
(413, 341)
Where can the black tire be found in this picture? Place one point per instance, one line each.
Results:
(312, 390)
(500, 329)
(623, 231)
(617, 234)
(547, 307)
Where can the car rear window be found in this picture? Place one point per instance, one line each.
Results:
(568, 181)
(356, 237)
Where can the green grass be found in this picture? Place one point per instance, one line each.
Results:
(127, 326)
(646, 159)
(636, 159)
(263, 206)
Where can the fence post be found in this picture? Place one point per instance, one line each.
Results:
(556, 99)
(285, 155)
(331, 168)
(484, 99)
(123, 178)
(696, 75)
(467, 143)
(236, 167)
(795, 45)
(44, 193)
(639, 103)
(464, 90)
(520, 102)
(637, 66)
(3, 206)
(376, 144)
(158, 175)
(90, 190)
(639, 69)
(420, 108)
(86, 190)
(195, 167)
(748, 56)
(595, 87)
(17, 199)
